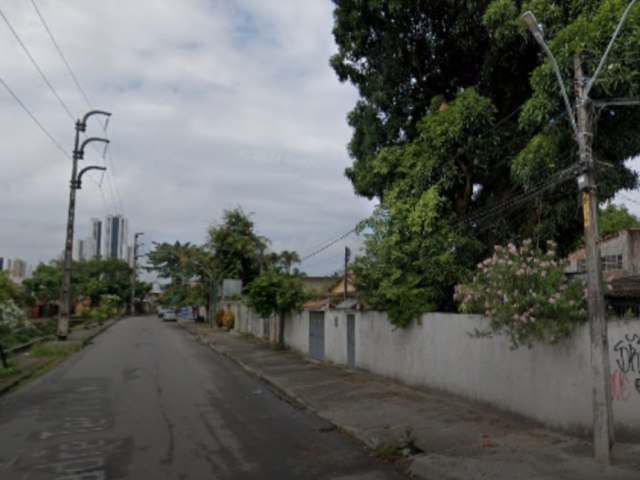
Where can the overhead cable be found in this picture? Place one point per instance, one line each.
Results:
(327, 245)
(35, 64)
(37, 122)
(64, 60)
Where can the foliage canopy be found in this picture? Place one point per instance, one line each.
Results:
(460, 113)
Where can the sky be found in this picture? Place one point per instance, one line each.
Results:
(216, 104)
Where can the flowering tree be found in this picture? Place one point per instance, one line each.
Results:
(13, 326)
(525, 295)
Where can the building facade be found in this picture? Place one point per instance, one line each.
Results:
(115, 237)
(620, 262)
(94, 242)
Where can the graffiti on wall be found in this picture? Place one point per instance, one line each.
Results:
(625, 377)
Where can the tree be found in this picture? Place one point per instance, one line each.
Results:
(615, 218)
(9, 290)
(275, 292)
(98, 277)
(45, 283)
(449, 127)
(239, 252)
(400, 55)
(91, 278)
(192, 271)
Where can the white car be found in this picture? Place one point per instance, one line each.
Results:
(169, 315)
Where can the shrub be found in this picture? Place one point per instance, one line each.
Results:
(14, 327)
(225, 319)
(525, 295)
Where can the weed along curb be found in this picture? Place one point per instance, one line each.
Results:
(41, 355)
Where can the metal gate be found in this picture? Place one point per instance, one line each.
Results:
(316, 335)
(351, 341)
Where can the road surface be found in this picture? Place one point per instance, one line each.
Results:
(147, 401)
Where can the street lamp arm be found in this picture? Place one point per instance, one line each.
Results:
(78, 181)
(94, 112)
(532, 23)
(93, 139)
(589, 85)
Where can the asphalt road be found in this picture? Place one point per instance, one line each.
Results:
(147, 401)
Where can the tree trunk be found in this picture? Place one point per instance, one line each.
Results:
(4, 357)
(281, 329)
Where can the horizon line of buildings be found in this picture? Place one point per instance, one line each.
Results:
(108, 239)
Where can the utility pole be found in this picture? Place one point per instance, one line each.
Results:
(134, 273)
(347, 254)
(603, 435)
(75, 184)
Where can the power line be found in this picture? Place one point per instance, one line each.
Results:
(35, 64)
(44, 130)
(485, 215)
(327, 245)
(111, 180)
(55, 44)
(115, 183)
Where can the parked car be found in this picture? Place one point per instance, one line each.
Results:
(169, 315)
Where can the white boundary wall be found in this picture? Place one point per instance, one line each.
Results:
(551, 384)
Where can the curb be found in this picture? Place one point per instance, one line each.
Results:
(280, 391)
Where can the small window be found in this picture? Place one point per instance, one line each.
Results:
(611, 262)
(581, 265)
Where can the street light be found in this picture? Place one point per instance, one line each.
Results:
(603, 436)
(134, 273)
(75, 184)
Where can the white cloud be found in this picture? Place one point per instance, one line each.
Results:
(215, 105)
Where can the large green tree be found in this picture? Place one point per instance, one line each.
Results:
(450, 128)
(614, 218)
(239, 251)
(90, 278)
(45, 283)
(97, 277)
(275, 291)
(191, 270)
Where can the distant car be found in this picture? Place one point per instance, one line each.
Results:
(169, 315)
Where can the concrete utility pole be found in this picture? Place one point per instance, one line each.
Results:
(603, 432)
(134, 273)
(603, 435)
(75, 184)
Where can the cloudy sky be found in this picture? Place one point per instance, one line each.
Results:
(216, 104)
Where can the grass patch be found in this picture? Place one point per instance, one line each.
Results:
(54, 349)
(406, 447)
(280, 346)
(10, 371)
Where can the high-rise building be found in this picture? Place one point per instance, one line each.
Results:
(115, 237)
(81, 249)
(94, 242)
(18, 269)
(1, 264)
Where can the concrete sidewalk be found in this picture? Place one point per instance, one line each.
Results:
(458, 439)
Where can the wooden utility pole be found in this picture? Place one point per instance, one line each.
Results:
(602, 412)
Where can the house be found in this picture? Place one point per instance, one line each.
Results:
(335, 295)
(318, 285)
(620, 257)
